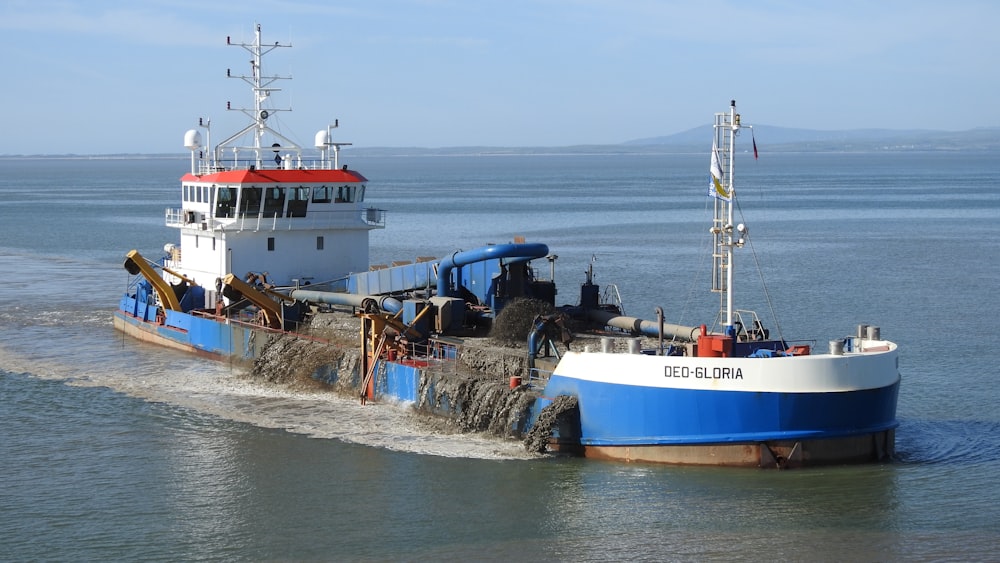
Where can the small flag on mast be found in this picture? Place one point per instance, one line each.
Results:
(716, 188)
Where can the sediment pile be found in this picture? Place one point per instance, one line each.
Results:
(289, 360)
(473, 404)
(472, 393)
(563, 412)
(326, 353)
(512, 326)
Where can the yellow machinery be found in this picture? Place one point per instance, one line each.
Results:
(267, 300)
(135, 264)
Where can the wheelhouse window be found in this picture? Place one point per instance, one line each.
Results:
(319, 243)
(298, 199)
(225, 200)
(322, 194)
(250, 201)
(274, 202)
(350, 193)
(270, 243)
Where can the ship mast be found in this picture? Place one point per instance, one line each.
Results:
(262, 88)
(727, 237)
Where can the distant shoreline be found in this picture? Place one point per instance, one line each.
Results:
(596, 150)
(692, 141)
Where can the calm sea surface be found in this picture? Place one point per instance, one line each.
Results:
(115, 450)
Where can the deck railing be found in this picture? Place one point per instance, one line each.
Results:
(335, 219)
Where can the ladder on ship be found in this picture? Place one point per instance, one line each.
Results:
(720, 257)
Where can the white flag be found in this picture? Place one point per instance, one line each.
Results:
(716, 188)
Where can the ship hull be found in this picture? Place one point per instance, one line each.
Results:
(809, 410)
(757, 412)
(200, 334)
(866, 448)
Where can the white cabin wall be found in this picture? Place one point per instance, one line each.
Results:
(295, 255)
(201, 262)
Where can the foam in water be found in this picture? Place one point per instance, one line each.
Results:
(218, 389)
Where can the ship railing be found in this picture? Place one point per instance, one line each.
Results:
(248, 318)
(538, 377)
(205, 166)
(333, 219)
(747, 325)
(611, 296)
(441, 349)
(445, 354)
(174, 217)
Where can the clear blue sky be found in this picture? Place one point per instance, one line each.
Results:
(98, 76)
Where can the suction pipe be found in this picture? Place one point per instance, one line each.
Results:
(386, 303)
(520, 252)
(647, 328)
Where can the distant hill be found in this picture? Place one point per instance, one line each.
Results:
(769, 138)
(790, 139)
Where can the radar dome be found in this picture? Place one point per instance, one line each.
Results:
(322, 139)
(192, 139)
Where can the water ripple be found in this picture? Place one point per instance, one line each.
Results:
(948, 441)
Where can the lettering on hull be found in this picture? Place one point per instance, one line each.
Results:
(702, 372)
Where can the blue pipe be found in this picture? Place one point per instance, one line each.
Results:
(533, 344)
(521, 252)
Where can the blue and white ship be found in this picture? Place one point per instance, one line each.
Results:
(271, 236)
(734, 396)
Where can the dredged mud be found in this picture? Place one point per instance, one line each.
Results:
(562, 413)
(471, 393)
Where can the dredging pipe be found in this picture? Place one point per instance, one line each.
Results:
(384, 302)
(648, 328)
(514, 252)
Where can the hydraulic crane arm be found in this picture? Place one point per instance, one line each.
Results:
(237, 288)
(136, 264)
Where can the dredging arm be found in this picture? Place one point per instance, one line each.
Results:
(135, 264)
(234, 288)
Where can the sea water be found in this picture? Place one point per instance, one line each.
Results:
(116, 450)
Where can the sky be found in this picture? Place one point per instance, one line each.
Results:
(103, 77)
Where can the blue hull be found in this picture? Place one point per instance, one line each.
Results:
(186, 331)
(624, 415)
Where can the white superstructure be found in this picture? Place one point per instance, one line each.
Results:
(263, 207)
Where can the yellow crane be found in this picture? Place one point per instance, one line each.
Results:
(135, 264)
